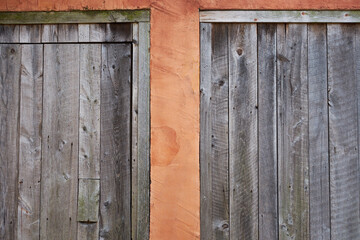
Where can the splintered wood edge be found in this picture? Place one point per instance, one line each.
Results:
(281, 16)
(75, 17)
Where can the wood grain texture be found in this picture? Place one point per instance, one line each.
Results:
(121, 32)
(357, 69)
(205, 133)
(88, 200)
(10, 57)
(92, 32)
(53, 33)
(258, 16)
(68, 33)
(141, 132)
(59, 186)
(214, 132)
(49, 33)
(318, 133)
(343, 132)
(89, 123)
(134, 132)
(73, 16)
(30, 33)
(115, 205)
(243, 146)
(293, 131)
(88, 231)
(29, 179)
(219, 133)
(267, 132)
(9, 33)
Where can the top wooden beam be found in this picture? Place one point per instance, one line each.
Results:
(281, 16)
(75, 17)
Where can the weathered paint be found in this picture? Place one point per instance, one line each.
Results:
(174, 70)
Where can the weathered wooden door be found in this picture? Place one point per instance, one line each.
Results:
(279, 150)
(65, 131)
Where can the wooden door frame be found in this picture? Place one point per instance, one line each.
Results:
(140, 112)
(279, 16)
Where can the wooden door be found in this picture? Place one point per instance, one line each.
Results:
(279, 142)
(65, 131)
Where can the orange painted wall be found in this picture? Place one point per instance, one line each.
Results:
(174, 70)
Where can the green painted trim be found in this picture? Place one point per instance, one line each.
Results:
(74, 17)
(306, 16)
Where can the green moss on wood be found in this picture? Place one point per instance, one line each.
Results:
(75, 16)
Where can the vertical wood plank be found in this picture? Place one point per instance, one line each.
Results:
(97, 32)
(89, 125)
(343, 132)
(88, 200)
(206, 223)
(357, 62)
(9, 33)
(68, 33)
(318, 133)
(143, 165)
(60, 142)
(49, 33)
(268, 218)
(10, 57)
(84, 32)
(30, 142)
(214, 140)
(30, 33)
(134, 133)
(92, 32)
(243, 138)
(115, 205)
(89, 138)
(88, 231)
(293, 120)
(118, 32)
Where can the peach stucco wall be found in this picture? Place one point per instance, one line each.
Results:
(174, 69)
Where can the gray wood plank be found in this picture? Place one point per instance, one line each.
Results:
(243, 133)
(214, 118)
(84, 32)
(92, 32)
(205, 133)
(30, 141)
(88, 200)
(268, 218)
(10, 57)
(53, 33)
(276, 16)
(89, 123)
(134, 133)
(9, 33)
(49, 33)
(60, 142)
(141, 132)
(30, 33)
(118, 32)
(115, 205)
(343, 132)
(143, 166)
(293, 179)
(318, 133)
(88, 231)
(357, 62)
(68, 33)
